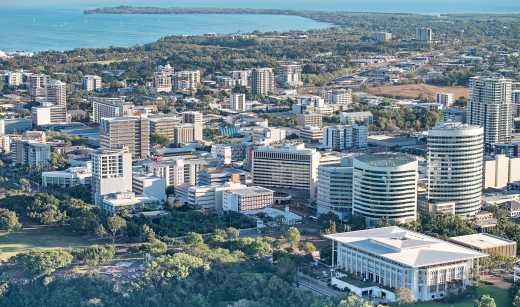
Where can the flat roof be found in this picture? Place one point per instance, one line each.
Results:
(388, 159)
(406, 247)
(482, 240)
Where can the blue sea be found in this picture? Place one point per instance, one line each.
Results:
(38, 25)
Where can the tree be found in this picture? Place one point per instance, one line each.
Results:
(308, 247)
(293, 236)
(485, 301)
(25, 185)
(115, 225)
(232, 233)
(96, 254)
(404, 296)
(177, 267)
(9, 220)
(353, 300)
(160, 140)
(194, 238)
(39, 263)
(516, 300)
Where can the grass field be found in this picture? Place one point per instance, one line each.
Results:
(500, 295)
(414, 90)
(39, 237)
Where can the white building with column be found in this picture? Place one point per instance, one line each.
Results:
(455, 166)
(375, 262)
(385, 187)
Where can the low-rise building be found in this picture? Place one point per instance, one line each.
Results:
(247, 199)
(391, 258)
(70, 177)
(128, 201)
(487, 243)
(150, 186)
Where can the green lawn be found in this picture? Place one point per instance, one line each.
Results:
(39, 237)
(501, 297)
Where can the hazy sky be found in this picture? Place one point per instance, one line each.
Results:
(428, 6)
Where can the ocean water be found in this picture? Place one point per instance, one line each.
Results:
(38, 25)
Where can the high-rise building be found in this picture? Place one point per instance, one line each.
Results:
(56, 92)
(184, 134)
(187, 80)
(111, 173)
(293, 168)
(382, 36)
(339, 97)
(455, 162)
(262, 81)
(164, 125)
(312, 119)
(424, 35)
(37, 84)
(385, 187)
(238, 102)
(173, 171)
(241, 77)
(14, 78)
(516, 103)
(130, 132)
(290, 75)
(446, 99)
(345, 137)
(108, 107)
(162, 83)
(335, 189)
(490, 107)
(91, 83)
(195, 118)
(32, 153)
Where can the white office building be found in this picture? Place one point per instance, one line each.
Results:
(378, 261)
(262, 81)
(345, 137)
(111, 173)
(247, 199)
(196, 119)
(149, 185)
(339, 96)
(56, 92)
(445, 99)
(293, 169)
(73, 176)
(455, 162)
(238, 102)
(290, 75)
(335, 189)
(385, 187)
(91, 83)
(490, 107)
(105, 107)
(424, 35)
(48, 114)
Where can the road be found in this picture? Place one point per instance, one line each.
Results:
(317, 286)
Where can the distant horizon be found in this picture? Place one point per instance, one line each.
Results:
(390, 6)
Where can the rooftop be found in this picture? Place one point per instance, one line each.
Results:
(481, 240)
(406, 247)
(387, 159)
